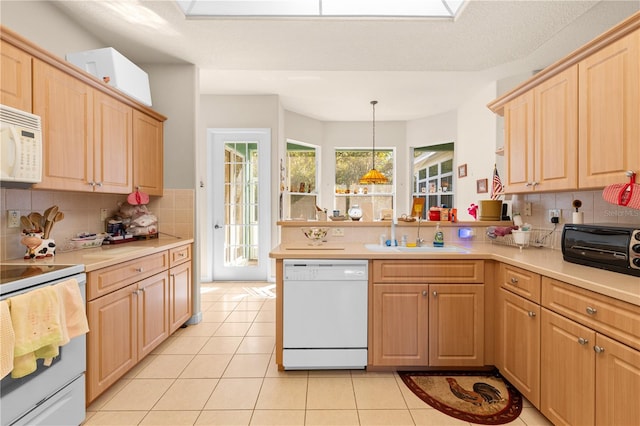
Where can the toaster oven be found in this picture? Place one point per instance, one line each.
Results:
(612, 247)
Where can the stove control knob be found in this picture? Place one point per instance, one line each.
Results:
(636, 248)
(636, 262)
(636, 235)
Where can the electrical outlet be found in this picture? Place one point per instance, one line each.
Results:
(13, 218)
(337, 232)
(554, 213)
(103, 214)
(527, 208)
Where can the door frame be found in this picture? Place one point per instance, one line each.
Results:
(262, 272)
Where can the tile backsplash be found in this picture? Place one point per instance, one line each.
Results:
(175, 212)
(594, 207)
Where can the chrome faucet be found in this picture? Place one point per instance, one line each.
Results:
(419, 241)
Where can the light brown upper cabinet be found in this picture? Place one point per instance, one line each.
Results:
(96, 139)
(610, 113)
(15, 80)
(147, 154)
(541, 137)
(576, 124)
(87, 133)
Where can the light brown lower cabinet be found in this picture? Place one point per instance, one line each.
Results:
(132, 307)
(428, 324)
(125, 326)
(180, 295)
(518, 343)
(586, 377)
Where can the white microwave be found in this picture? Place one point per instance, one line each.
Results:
(21, 146)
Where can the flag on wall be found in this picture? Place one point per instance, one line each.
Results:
(496, 185)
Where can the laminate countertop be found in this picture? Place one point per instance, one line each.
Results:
(107, 255)
(543, 261)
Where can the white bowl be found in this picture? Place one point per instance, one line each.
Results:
(315, 234)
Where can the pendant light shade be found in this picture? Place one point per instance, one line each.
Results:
(373, 176)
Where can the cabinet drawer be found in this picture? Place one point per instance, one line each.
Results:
(614, 318)
(428, 271)
(179, 255)
(520, 281)
(106, 280)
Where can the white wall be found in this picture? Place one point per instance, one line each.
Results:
(44, 24)
(475, 146)
(437, 129)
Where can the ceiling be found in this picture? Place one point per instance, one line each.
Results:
(330, 69)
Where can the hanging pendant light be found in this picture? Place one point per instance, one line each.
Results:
(373, 176)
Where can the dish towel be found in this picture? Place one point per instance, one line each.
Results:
(7, 340)
(73, 318)
(36, 322)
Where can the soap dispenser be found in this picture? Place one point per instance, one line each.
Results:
(438, 237)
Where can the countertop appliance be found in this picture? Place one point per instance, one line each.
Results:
(607, 246)
(53, 395)
(20, 146)
(325, 314)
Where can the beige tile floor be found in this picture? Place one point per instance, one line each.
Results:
(222, 372)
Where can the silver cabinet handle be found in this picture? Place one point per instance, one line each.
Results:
(528, 184)
(514, 280)
(591, 311)
(136, 292)
(424, 292)
(531, 314)
(91, 183)
(598, 349)
(534, 183)
(98, 184)
(139, 269)
(583, 341)
(435, 293)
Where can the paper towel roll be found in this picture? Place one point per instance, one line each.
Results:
(578, 217)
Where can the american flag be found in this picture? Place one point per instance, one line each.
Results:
(496, 185)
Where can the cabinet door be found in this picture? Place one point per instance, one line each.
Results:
(617, 383)
(112, 339)
(556, 132)
(113, 145)
(66, 107)
(15, 79)
(153, 312)
(518, 344)
(518, 143)
(567, 371)
(609, 109)
(179, 295)
(456, 325)
(400, 315)
(148, 154)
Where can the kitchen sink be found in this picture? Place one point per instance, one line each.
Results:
(423, 249)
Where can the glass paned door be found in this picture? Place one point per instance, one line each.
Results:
(240, 206)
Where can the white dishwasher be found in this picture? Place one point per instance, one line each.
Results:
(325, 314)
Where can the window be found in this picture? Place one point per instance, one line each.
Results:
(433, 175)
(301, 181)
(351, 164)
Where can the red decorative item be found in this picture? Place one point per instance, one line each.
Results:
(473, 210)
(624, 194)
(137, 198)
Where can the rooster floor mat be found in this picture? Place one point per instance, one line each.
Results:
(476, 397)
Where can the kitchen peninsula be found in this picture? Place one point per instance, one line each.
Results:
(529, 313)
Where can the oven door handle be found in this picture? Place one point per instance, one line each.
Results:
(615, 254)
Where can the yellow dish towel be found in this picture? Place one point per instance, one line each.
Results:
(7, 340)
(73, 317)
(36, 321)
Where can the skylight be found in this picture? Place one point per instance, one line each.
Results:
(322, 8)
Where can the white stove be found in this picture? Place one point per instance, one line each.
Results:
(53, 395)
